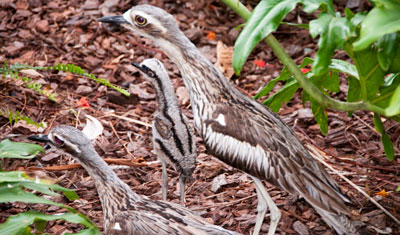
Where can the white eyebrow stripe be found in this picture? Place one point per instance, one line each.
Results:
(150, 19)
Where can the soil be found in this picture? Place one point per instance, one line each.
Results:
(44, 33)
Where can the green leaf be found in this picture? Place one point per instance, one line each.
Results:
(344, 67)
(17, 178)
(331, 82)
(284, 76)
(382, 19)
(354, 90)
(319, 112)
(333, 32)
(265, 19)
(398, 189)
(387, 47)
(394, 106)
(386, 142)
(19, 223)
(10, 149)
(16, 194)
(283, 95)
(370, 73)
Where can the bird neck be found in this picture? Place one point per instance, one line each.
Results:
(202, 79)
(113, 192)
(166, 98)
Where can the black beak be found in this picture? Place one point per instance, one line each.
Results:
(113, 20)
(137, 65)
(39, 138)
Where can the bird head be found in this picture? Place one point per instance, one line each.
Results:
(147, 21)
(65, 138)
(152, 69)
(156, 24)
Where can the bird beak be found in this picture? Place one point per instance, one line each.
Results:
(137, 65)
(41, 138)
(113, 20)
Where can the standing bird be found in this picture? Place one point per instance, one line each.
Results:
(173, 140)
(126, 212)
(240, 131)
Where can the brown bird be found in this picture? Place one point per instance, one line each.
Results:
(126, 212)
(240, 131)
(173, 139)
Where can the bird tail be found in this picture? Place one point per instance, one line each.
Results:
(339, 222)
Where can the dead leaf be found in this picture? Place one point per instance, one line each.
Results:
(93, 127)
(31, 73)
(183, 95)
(224, 59)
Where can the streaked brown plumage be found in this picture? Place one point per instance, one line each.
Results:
(240, 131)
(173, 139)
(126, 212)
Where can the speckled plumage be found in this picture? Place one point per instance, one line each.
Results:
(126, 212)
(173, 139)
(240, 131)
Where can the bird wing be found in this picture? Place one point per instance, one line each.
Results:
(252, 138)
(157, 217)
(162, 127)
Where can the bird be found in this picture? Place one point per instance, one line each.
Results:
(240, 131)
(173, 139)
(126, 212)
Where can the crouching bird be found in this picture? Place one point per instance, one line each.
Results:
(240, 131)
(173, 139)
(126, 212)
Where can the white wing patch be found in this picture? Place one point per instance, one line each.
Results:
(117, 226)
(233, 148)
(221, 119)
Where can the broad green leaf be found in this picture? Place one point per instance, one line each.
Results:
(344, 67)
(333, 32)
(265, 19)
(331, 82)
(392, 82)
(382, 19)
(386, 142)
(395, 66)
(394, 105)
(18, 178)
(354, 90)
(283, 95)
(387, 47)
(10, 149)
(18, 223)
(370, 73)
(319, 112)
(16, 194)
(398, 189)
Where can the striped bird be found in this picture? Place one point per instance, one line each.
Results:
(173, 139)
(240, 131)
(126, 212)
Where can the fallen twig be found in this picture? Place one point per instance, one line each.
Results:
(316, 154)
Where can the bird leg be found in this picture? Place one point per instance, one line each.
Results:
(182, 189)
(265, 201)
(164, 182)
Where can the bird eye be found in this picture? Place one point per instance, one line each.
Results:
(58, 141)
(141, 21)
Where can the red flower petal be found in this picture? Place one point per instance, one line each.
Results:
(260, 63)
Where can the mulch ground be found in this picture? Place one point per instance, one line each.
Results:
(45, 33)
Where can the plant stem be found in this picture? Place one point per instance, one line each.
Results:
(306, 84)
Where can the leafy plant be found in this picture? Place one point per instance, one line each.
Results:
(14, 117)
(371, 39)
(16, 186)
(13, 69)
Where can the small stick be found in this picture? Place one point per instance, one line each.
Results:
(315, 153)
(126, 162)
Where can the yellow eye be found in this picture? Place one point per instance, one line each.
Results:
(141, 21)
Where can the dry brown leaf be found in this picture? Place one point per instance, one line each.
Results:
(31, 73)
(224, 59)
